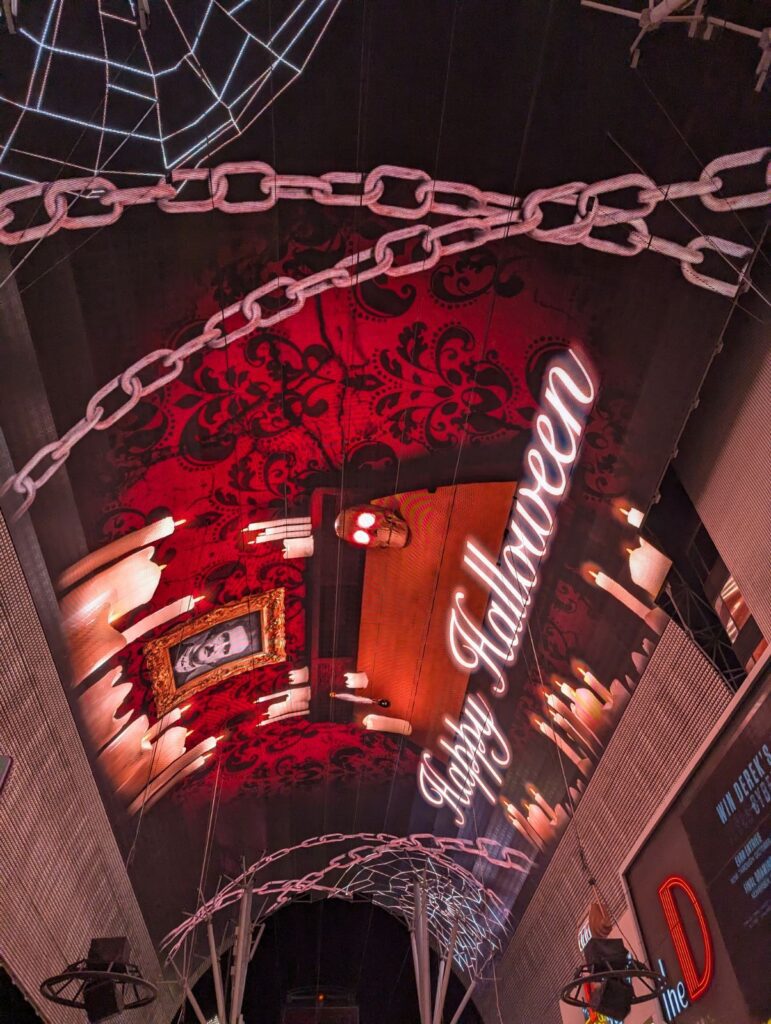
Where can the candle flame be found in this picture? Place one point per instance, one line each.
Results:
(180, 522)
(184, 708)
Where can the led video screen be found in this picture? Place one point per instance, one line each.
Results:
(701, 884)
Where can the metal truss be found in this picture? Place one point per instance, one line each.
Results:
(419, 879)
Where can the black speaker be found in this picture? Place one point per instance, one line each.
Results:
(612, 997)
(103, 999)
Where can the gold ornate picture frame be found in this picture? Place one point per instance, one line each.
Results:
(222, 643)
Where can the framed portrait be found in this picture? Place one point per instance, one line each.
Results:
(234, 638)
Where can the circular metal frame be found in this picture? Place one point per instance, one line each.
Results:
(81, 974)
(652, 982)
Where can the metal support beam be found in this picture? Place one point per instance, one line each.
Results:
(195, 1005)
(241, 955)
(216, 972)
(464, 1002)
(424, 952)
(416, 957)
(444, 975)
(256, 942)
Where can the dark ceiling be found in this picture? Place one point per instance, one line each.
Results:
(507, 96)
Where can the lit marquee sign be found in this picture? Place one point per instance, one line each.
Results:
(477, 747)
(696, 981)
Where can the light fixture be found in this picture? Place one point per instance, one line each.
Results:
(361, 537)
(365, 519)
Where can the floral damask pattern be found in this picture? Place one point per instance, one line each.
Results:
(363, 380)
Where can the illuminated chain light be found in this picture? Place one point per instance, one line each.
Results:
(383, 869)
(479, 218)
(225, 57)
(479, 749)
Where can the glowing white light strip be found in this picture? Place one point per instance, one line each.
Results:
(479, 749)
(569, 395)
(241, 76)
(474, 762)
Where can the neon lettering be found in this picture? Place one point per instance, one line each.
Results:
(477, 750)
(695, 983)
(569, 393)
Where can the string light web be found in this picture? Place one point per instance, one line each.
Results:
(85, 90)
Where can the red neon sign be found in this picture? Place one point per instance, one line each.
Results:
(696, 984)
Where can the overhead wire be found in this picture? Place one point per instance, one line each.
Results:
(62, 165)
(416, 678)
(713, 244)
(681, 135)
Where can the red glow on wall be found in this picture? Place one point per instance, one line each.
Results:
(696, 984)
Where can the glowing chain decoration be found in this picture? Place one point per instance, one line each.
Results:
(478, 217)
(383, 868)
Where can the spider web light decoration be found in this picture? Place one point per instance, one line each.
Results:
(383, 869)
(86, 90)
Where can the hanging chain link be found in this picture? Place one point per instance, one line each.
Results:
(480, 217)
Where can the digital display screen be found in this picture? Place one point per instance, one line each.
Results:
(701, 884)
(728, 823)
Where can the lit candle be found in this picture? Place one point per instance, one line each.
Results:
(384, 723)
(150, 761)
(585, 705)
(589, 737)
(547, 809)
(123, 587)
(298, 547)
(356, 680)
(99, 705)
(583, 764)
(538, 821)
(121, 754)
(522, 825)
(111, 552)
(160, 726)
(602, 691)
(634, 516)
(352, 698)
(648, 567)
(280, 718)
(613, 587)
(91, 640)
(574, 735)
(620, 696)
(172, 775)
(160, 617)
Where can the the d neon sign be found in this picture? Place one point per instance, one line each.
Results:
(696, 984)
